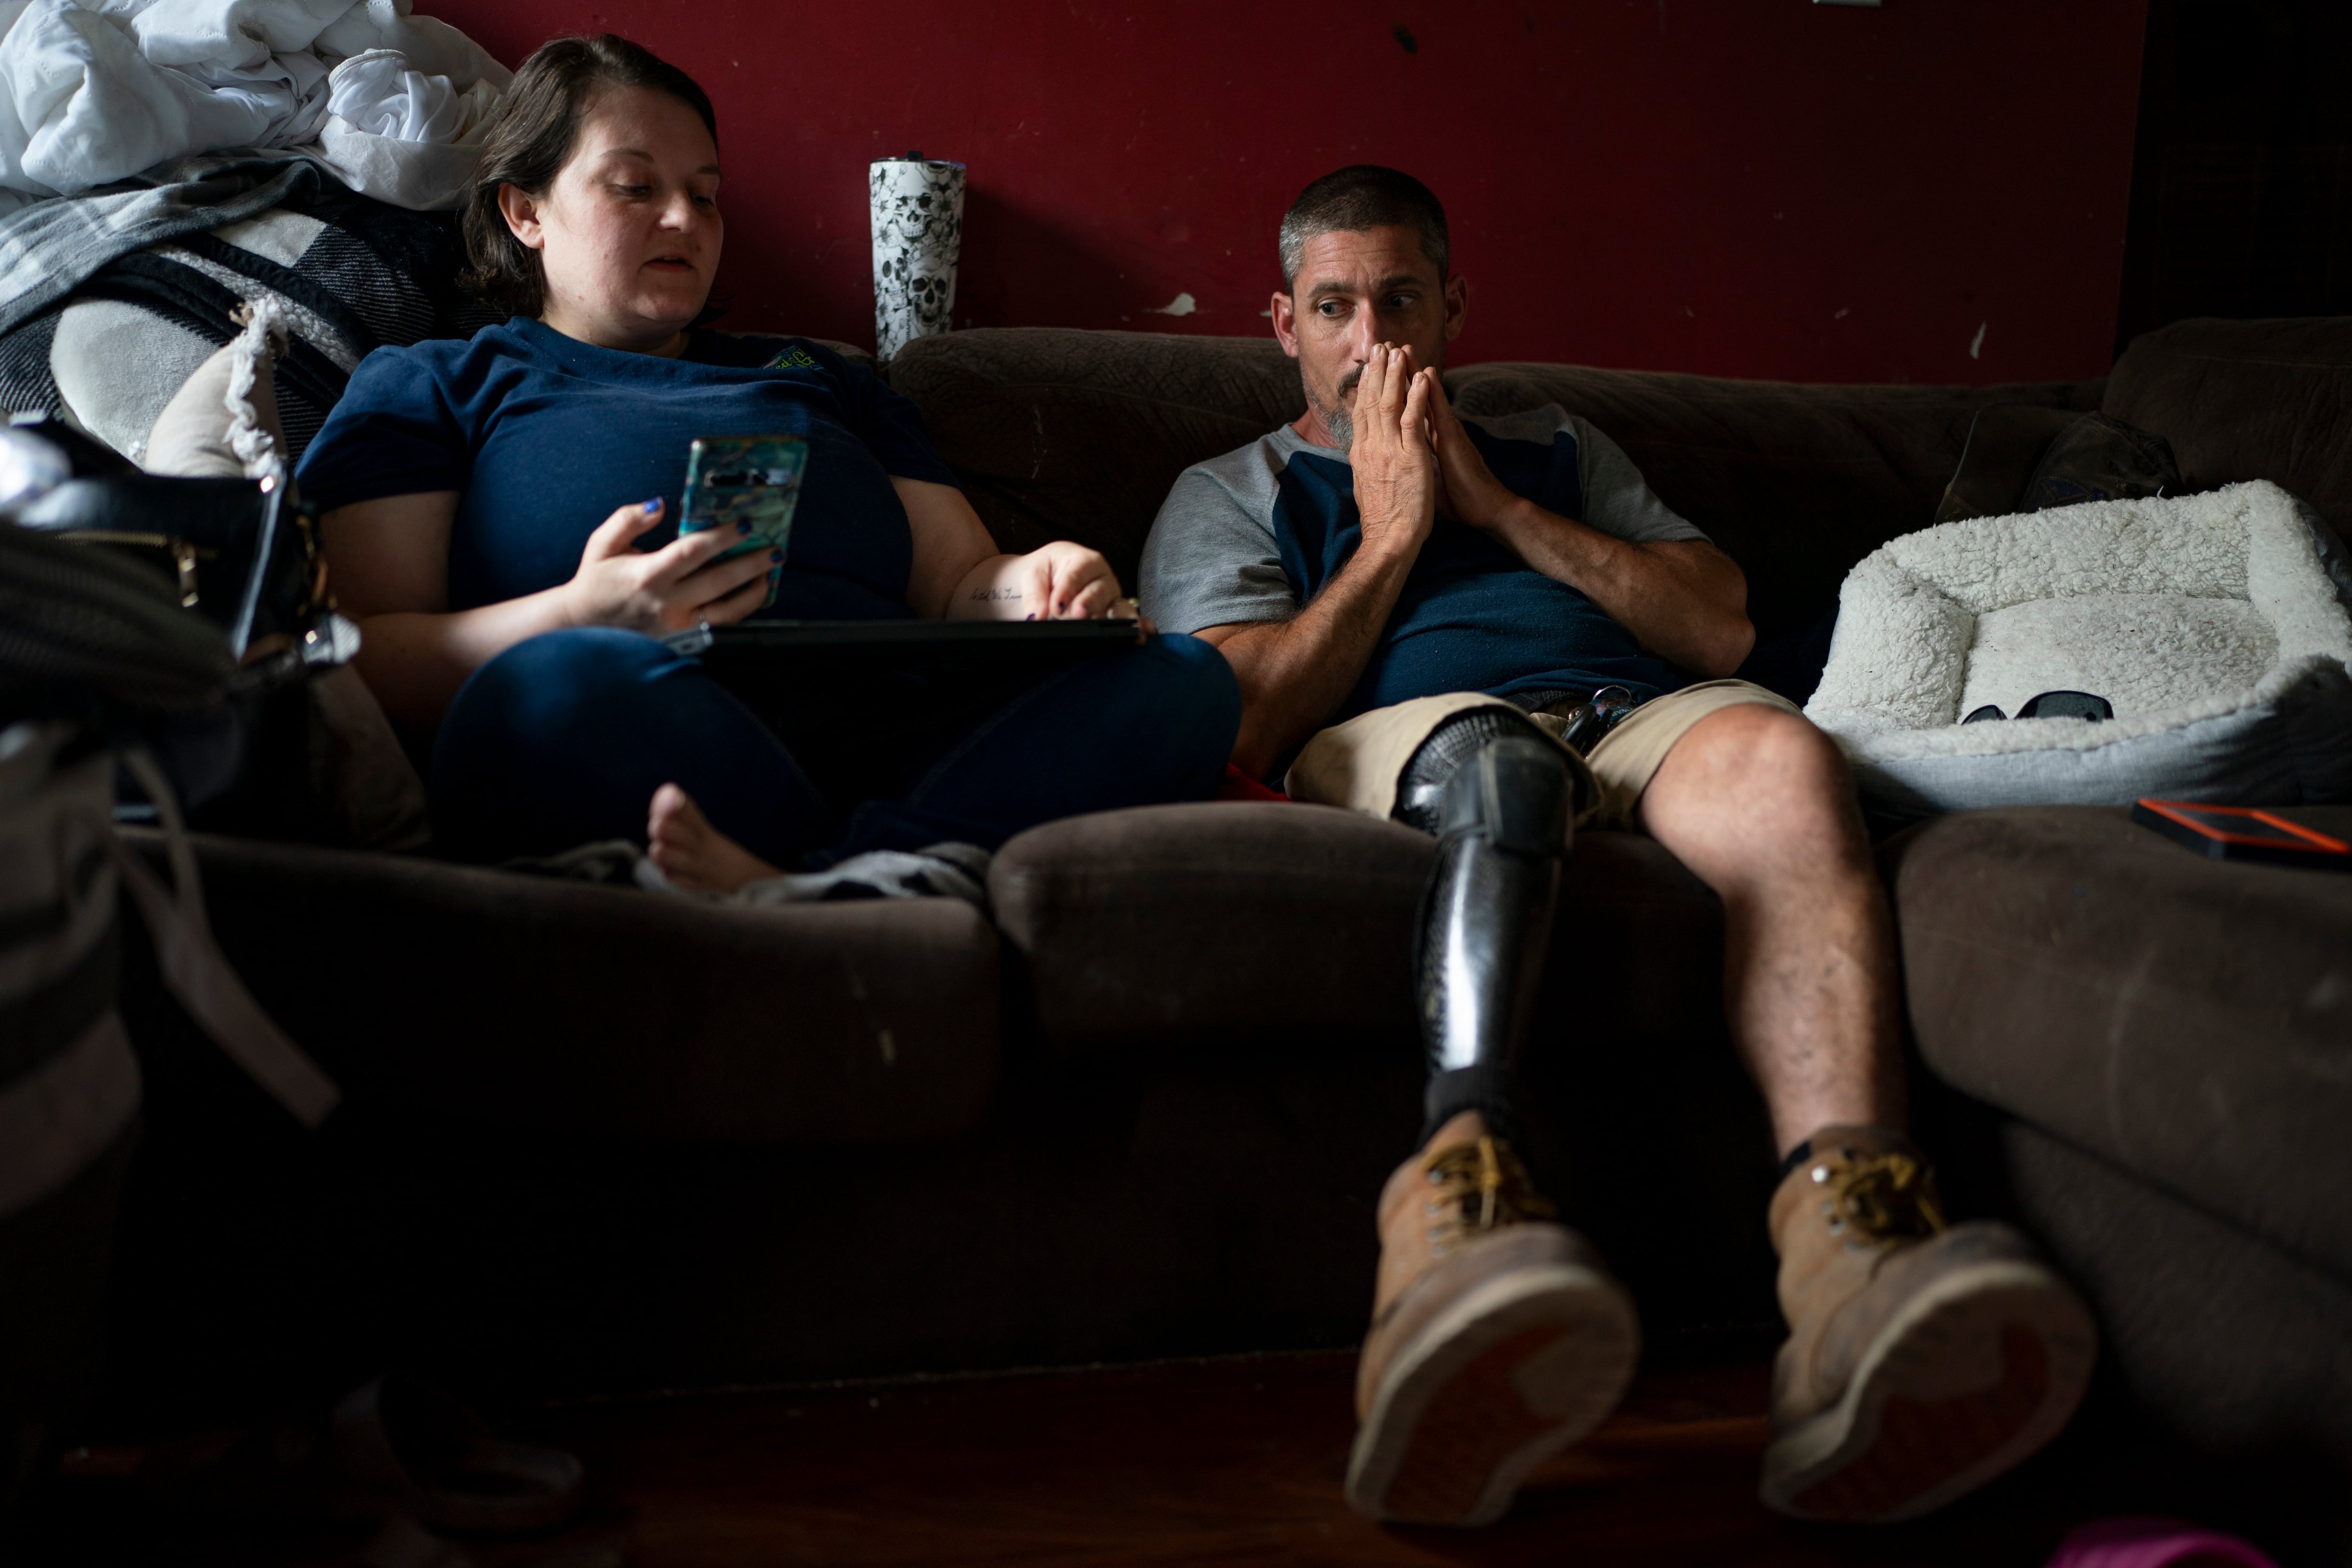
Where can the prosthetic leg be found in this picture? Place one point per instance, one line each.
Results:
(1498, 1336)
(1499, 797)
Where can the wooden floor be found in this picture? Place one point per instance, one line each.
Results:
(1234, 1461)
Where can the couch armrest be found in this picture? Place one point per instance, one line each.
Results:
(2185, 1019)
(563, 1004)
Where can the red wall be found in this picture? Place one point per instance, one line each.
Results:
(1740, 187)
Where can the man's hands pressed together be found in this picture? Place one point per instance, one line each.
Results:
(1405, 435)
(1397, 477)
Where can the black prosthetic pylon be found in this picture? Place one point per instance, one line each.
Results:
(1503, 820)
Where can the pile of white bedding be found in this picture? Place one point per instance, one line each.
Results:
(96, 91)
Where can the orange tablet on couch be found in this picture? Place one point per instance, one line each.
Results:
(2243, 832)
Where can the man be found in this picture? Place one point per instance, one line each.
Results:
(1480, 627)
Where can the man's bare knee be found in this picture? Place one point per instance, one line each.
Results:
(1754, 771)
(1757, 751)
(1785, 751)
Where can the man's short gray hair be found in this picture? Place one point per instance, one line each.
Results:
(1358, 197)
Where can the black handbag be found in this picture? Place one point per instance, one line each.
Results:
(233, 549)
(241, 559)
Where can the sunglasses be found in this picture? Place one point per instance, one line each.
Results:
(2053, 705)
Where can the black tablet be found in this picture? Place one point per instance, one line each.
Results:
(781, 646)
(863, 704)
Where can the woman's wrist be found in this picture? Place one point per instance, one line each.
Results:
(569, 606)
(564, 610)
(990, 591)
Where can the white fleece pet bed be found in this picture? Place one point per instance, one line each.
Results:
(2219, 626)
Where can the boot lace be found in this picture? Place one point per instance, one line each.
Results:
(1885, 1197)
(1480, 1186)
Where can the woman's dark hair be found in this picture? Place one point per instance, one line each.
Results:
(538, 122)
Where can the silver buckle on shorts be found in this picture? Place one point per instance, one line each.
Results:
(1593, 717)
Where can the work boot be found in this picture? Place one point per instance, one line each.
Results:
(1498, 1337)
(1922, 1360)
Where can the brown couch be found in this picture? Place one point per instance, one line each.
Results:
(598, 1140)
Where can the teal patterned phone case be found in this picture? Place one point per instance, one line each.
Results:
(732, 480)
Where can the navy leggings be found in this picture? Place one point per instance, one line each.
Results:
(562, 739)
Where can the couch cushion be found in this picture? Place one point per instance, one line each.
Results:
(590, 1008)
(2248, 400)
(1796, 483)
(2186, 1019)
(1291, 926)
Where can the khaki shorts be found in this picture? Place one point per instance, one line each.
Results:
(1357, 764)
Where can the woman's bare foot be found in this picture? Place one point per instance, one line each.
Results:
(693, 854)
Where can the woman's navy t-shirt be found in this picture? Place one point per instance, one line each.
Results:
(545, 436)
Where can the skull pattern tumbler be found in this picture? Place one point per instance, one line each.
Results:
(917, 206)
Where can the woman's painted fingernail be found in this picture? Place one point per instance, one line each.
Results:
(743, 528)
(1031, 616)
(775, 555)
(654, 505)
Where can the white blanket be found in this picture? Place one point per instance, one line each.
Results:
(92, 91)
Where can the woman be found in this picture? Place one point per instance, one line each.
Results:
(485, 513)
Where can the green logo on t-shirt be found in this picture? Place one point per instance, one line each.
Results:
(793, 359)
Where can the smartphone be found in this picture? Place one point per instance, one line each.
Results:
(732, 480)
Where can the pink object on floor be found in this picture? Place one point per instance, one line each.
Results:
(2155, 1543)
